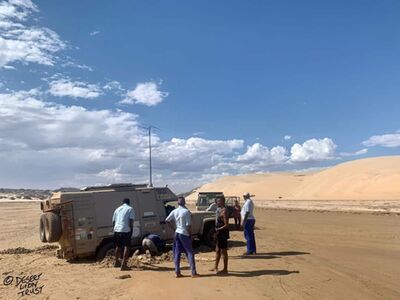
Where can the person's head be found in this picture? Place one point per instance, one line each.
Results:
(246, 196)
(236, 202)
(221, 201)
(181, 201)
(126, 201)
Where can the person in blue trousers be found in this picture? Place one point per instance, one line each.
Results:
(182, 220)
(247, 214)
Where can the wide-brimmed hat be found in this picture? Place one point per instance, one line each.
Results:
(247, 195)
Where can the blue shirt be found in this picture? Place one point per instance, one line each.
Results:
(182, 218)
(156, 239)
(122, 216)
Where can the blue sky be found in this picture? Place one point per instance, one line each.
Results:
(225, 81)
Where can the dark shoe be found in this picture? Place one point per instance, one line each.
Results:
(178, 275)
(117, 264)
(222, 273)
(125, 268)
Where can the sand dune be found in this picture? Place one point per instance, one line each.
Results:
(365, 179)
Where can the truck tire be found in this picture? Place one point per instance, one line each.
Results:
(107, 249)
(208, 236)
(42, 232)
(52, 228)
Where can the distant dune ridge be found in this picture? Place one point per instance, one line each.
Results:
(365, 179)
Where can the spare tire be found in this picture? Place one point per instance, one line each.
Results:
(42, 233)
(52, 228)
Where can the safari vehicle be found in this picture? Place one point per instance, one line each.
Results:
(81, 222)
(205, 199)
(230, 200)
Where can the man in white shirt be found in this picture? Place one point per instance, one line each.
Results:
(247, 214)
(213, 206)
(123, 225)
(182, 220)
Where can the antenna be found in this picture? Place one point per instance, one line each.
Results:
(149, 128)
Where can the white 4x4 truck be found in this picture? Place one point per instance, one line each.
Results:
(81, 222)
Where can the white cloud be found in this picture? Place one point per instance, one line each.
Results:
(359, 152)
(77, 65)
(81, 147)
(386, 140)
(261, 155)
(198, 133)
(25, 44)
(95, 32)
(313, 150)
(76, 89)
(113, 85)
(193, 154)
(146, 93)
(111, 175)
(287, 137)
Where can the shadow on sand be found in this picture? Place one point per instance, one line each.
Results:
(270, 255)
(254, 273)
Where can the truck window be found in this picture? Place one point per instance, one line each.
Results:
(169, 206)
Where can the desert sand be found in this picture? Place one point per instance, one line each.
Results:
(365, 184)
(302, 255)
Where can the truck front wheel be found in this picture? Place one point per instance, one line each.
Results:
(209, 236)
(52, 228)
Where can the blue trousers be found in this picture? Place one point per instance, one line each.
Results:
(249, 236)
(183, 244)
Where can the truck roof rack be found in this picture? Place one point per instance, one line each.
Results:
(202, 193)
(113, 186)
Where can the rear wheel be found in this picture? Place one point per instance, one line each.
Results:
(52, 228)
(107, 249)
(42, 226)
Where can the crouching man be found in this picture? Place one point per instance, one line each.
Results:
(153, 243)
(123, 226)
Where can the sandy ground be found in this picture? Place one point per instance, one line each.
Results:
(302, 255)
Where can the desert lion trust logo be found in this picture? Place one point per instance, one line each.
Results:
(26, 285)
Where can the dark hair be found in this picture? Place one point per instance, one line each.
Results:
(181, 200)
(126, 201)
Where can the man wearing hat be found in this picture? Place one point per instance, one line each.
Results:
(248, 224)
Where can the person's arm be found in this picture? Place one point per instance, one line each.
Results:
(169, 220)
(113, 221)
(189, 225)
(246, 216)
(225, 217)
